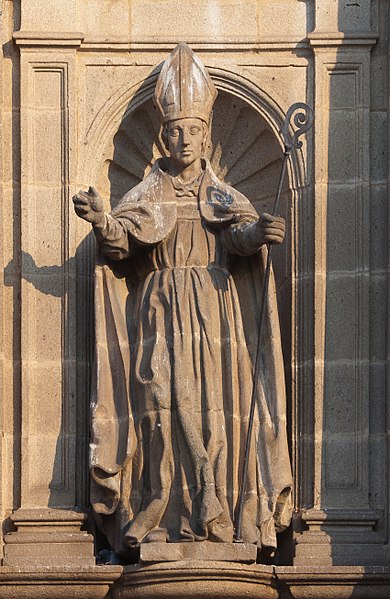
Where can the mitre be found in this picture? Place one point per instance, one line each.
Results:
(184, 88)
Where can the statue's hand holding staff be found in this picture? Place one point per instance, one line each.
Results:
(271, 229)
(89, 205)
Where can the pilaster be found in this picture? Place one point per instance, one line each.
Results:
(341, 527)
(48, 525)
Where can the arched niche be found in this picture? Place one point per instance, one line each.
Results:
(242, 150)
(244, 143)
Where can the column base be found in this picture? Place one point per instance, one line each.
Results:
(340, 538)
(48, 537)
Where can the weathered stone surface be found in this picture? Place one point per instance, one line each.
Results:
(203, 551)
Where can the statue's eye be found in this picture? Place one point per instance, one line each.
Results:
(174, 132)
(194, 130)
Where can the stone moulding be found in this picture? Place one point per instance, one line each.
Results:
(45, 38)
(338, 582)
(203, 580)
(211, 580)
(78, 39)
(329, 39)
(57, 583)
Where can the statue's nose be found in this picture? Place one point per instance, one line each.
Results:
(185, 138)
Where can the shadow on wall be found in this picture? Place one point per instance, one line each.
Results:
(11, 54)
(42, 277)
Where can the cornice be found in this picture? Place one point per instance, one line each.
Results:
(77, 39)
(48, 38)
(329, 39)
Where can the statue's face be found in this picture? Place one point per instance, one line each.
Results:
(185, 139)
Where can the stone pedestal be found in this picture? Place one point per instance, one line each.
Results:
(193, 552)
(340, 537)
(48, 538)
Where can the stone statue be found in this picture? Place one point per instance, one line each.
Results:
(178, 287)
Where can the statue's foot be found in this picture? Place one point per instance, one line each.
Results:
(158, 535)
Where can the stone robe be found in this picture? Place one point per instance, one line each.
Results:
(177, 303)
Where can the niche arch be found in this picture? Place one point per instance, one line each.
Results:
(130, 111)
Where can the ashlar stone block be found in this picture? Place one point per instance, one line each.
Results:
(195, 21)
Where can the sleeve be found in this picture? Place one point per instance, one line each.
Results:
(243, 238)
(113, 238)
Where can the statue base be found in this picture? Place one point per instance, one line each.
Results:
(245, 553)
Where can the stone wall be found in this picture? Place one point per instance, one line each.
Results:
(77, 80)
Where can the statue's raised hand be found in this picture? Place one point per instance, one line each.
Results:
(271, 229)
(89, 205)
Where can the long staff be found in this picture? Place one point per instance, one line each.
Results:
(302, 122)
